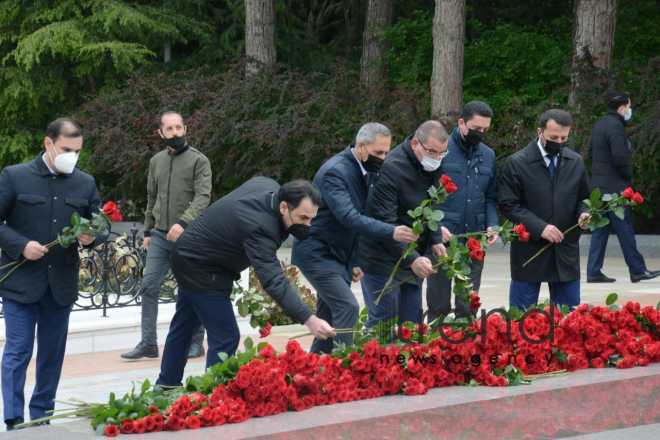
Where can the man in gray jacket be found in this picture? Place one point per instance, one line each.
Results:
(178, 191)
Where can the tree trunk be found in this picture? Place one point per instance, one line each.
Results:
(448, 42)
(259, 35)
(372, 64)
(593, 38)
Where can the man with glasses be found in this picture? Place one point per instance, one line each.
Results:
(471, 165)
(406, 175)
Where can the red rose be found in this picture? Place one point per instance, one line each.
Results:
(475, 301)
(111, 431)
(193, 422)
(267, 352)
(111, 210)
(637, 198)
(153, 409)
(405, 333)
(477, 255)
(139, 427)
(521, 231)
(265, 330)
(473, 244)
(628, 193)
(448, 184)
(127, 426)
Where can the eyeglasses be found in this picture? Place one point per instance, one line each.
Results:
(432, 153)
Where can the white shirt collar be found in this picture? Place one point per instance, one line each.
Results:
(364, 172)
(43, 157)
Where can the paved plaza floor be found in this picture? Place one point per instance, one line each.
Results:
(549, 410)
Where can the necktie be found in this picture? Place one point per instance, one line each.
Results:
(552, 168)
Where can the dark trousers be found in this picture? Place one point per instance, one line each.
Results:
(438, 293)
(625, 231)
(336, 304)
(215, 312)
(155, 271)
(403, 301)
(523, 294)
(51, 321)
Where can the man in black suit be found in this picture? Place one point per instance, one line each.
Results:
(244, 228)
(611, 155)
(37, 200)
(542, 186)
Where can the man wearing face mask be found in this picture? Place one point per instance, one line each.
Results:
(406, 175)
(37, 200)
(611, 155)
(328, 257)
(542, 186)
(471, 165)
(178, 190)
(244, 228)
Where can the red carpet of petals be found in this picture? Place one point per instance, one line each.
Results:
(588, 337)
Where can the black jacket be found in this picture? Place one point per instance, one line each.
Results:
(333, 238)
(528, 195)
(611, 154)
(242, 229)
(37, 205)
(402, 185)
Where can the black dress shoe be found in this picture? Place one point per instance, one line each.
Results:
(140, 351)
(600, 278)
(196, 351)
(647, 275)
(11, 423)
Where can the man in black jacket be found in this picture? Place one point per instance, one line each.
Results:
(542, 186)
(244, 228)
(37, 200)
(328, 257)
(611, 155)
(408, 172)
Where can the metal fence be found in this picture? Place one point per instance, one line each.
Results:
(111, 275)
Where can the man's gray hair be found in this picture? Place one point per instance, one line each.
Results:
(368, 132)
(431, 129)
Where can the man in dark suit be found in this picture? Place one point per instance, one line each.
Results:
(611, 156)
(37, 200)
(542, 186)
(244, 228)
(407, 173)
(328, 257)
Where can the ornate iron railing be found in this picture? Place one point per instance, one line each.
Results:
(111, 275)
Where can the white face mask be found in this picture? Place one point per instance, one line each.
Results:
(628, 114)
(65, 163)
(429, 164)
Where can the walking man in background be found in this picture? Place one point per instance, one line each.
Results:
(612, 171)
(178, 191)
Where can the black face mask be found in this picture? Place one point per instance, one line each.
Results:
(553, 148)
(298, 230)
(473, 138)
(373, 164)
(177, 143)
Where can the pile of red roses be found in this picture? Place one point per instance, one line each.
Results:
(541, 341)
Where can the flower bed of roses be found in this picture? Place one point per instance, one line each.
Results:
(260, 382)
